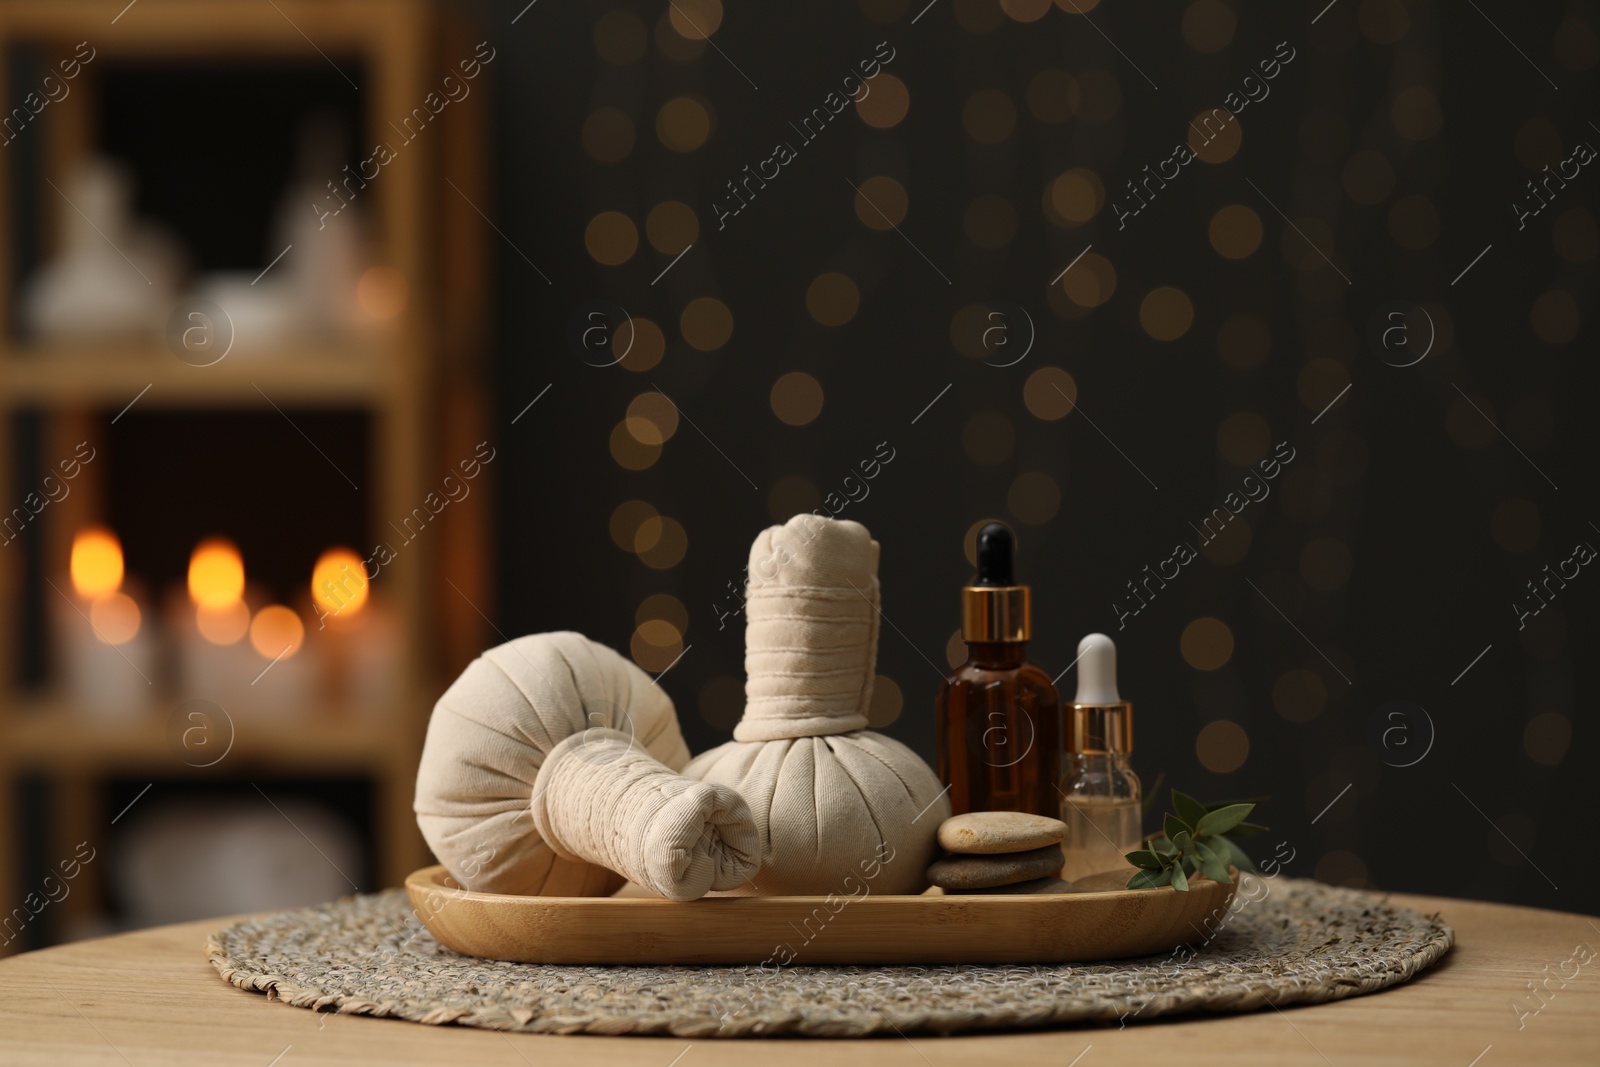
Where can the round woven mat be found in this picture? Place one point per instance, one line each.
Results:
(1288, 941)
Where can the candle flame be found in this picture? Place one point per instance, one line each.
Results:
(96, 562)
(339, 582)
(216, 573)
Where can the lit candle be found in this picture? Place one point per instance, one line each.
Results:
(213, 663)
(285, 673)
(357, 630)
(107, 655)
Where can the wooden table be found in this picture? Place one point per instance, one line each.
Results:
(152, 998)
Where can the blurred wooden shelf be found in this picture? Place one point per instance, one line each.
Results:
(328, 374)
(48, 733)
(417, 380)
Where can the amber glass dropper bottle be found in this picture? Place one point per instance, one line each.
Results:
(999, 718)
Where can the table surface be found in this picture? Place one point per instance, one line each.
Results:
(151, 997)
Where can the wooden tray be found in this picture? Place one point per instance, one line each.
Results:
(1105, 922)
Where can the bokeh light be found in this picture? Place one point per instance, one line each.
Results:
(1222, 746)
(1166, 313)
(887, 104)
(1206, 643)
(224, 624)
(626, 520)
(881, 203)
(1074, 197)
(706, 323)
(683, 123)
(1235, 231)
(277, 631)
(663, 543)
(1215, 136)
(96, 562)
(1034, 498)
(695, 20)
(796, 398)
(611, 238)
(114, 618)
(886, 704)
(339, 582)
(1050, 394)
(629, 452)
(638, 344)
(1090, 281)
(671, 227)
(216, 573)
(832, 298)
(652, 418)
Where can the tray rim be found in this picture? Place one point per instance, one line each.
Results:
(880, 930)
(425, 879)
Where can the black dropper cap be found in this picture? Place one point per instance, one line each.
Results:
(995, 542)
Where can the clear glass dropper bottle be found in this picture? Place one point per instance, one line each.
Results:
(1099, 791)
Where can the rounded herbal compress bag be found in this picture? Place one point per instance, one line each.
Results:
(550, 769)
(839, 808)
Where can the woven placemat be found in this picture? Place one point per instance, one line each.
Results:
(1286, 941)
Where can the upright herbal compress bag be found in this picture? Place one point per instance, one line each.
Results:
(550, 769)
(837, 806)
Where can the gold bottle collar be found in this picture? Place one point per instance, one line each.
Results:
(991, 613)
(1100, 729)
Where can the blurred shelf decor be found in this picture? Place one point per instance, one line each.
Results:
(224, 419)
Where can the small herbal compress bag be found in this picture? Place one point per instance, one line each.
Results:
(837, 806)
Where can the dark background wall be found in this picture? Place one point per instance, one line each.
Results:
(1349, 649)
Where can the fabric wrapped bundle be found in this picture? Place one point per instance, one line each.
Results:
(550, 769)
(836, 805)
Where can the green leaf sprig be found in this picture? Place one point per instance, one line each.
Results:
(1198, 839)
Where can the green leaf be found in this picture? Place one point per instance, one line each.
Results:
(1247, 829)
(1180, 881)
(1223, 819)
(1190, 810)
(1174, 826)
(1150, 879)
(1149, 859)
(1213, 860)
(1183, 842)
(1238, 857)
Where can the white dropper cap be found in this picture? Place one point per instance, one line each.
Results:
(1097, 671)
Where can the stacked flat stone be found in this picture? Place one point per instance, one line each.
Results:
(1000, 852)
